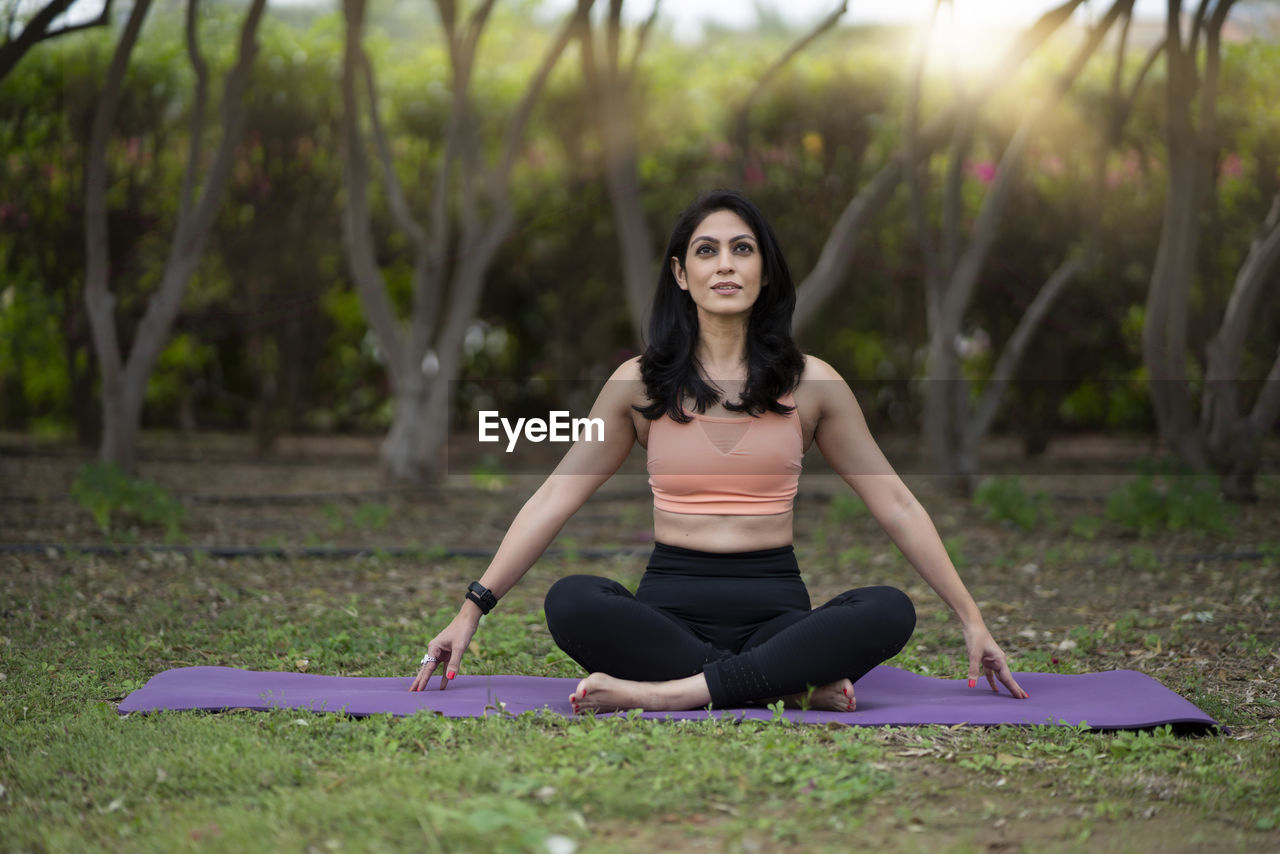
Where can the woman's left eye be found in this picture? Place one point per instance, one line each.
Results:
(743, 247)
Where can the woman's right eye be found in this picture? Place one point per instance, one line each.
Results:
(704, 249)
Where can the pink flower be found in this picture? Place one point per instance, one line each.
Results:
(721, 150)
(1232, 166)
(753, 174)
(984, 172)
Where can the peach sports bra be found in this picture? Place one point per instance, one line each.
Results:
(748, 466)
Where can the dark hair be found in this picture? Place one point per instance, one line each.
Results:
(670, 364)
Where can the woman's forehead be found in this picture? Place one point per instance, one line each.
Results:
(722, 224)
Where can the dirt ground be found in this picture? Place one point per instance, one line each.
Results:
(1035, 586)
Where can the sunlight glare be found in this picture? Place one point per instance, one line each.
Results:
(969, 38)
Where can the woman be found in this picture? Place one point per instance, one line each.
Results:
(725, 405)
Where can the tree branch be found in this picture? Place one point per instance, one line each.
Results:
(357, 232)
(912, 168)
(1260, 271)
(1126, 107)
(1266, 409)
(520, 118)
(37, 30)
(193, 231)
(1208, 136)
(838, 251)
(1014, 349)
(965, 277)
(426, 289)
(613, 41)
(196, 144)
(396, 200)
(743, 113)
(642, 38)
(98, 298)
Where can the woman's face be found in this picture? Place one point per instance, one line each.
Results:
(722, 270)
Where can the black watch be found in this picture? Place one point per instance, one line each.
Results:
(482, 596)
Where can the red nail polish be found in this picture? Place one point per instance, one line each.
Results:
(846, 691)
(973, 683)
(452, 674)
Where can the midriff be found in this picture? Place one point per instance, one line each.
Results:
(722, 533)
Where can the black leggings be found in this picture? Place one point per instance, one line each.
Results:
(742, 619)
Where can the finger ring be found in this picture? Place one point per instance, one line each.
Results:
(429, 659)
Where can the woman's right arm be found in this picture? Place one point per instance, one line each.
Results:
(585, 466)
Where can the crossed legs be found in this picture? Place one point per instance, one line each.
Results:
(640, 656)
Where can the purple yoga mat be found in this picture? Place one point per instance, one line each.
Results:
(1114, 699)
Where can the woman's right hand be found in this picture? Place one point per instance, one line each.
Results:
(447, 647)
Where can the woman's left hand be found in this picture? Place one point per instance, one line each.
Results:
(986, 657)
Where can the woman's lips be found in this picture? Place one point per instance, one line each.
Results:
(727, 288)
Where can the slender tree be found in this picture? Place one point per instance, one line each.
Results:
(611, 90)
(1225, 438)
(953, 264)
(830, 272)
(471, 214)
(125, 375)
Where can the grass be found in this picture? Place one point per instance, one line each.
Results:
(81, 631)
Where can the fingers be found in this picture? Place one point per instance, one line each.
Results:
(998, 667)
(1006, 676)
(990, 662)
(424, 673)
(455, 664)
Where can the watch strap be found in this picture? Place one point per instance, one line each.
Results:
(482, 596)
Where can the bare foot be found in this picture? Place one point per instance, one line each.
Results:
(601, 692)
(834, 697)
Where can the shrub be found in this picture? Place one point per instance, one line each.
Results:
(115, 499)
(1165, 498)
(1005, 500)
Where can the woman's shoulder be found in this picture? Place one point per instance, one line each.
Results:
(816, 370)
(628, 370)
(821, 389)
(625, 386)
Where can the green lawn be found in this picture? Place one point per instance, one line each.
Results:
(80, 632)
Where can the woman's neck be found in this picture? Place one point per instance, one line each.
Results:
(722, 347)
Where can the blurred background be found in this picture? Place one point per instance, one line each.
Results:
(1024, 219)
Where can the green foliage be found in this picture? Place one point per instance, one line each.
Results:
(115, 500)
(846, 508)
(1165, 498)
(282, 330)
(1005, 500)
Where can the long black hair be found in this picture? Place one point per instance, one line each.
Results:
(670, 366)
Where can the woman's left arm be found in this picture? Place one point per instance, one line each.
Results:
(846, 443)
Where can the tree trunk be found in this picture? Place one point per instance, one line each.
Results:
(124, 381)
(411, 450)
(399, 449)
(118, 434)
(1233, 439)
(952, 430)
(1164, 332)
